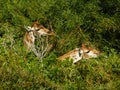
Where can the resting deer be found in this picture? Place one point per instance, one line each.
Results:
(80, 53)
(35, 41)
(35, 29)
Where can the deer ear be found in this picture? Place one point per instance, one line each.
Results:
(83, 45)
(36, 22)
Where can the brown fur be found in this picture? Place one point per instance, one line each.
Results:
(67, 55)
(42, 28)
(88, 48)
(84, 53)
(28, 40)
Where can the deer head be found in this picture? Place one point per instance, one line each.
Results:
(89, 52)
(35, 29)
(41, 30)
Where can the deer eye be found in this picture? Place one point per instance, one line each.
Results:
(37, 29)
(87, 51)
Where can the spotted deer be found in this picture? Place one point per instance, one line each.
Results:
(80, 53)
(35, 29)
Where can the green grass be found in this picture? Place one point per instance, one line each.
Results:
(94, 74)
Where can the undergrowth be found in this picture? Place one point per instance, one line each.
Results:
(94, 22)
